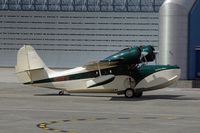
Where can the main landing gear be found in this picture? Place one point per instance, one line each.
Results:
(130, 93)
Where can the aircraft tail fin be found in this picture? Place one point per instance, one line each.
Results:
(30, 66)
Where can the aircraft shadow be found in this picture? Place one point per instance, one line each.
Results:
(122, 98)
(155, 97)
(52, 94)
(73, 95)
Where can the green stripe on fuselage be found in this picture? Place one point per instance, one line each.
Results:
(138, 73)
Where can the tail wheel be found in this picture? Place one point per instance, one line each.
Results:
(61, 93)
(129, 93)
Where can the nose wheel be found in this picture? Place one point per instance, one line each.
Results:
(130, 93)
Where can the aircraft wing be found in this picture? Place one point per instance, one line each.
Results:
(100, 65)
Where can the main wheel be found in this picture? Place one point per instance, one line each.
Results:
(129, 93)
(61, 93)
(138, 94)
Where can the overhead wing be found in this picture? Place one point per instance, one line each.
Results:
(100, 65)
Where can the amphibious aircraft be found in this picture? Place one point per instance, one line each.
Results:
(125, 72)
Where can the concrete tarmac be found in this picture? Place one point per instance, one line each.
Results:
(26, 109)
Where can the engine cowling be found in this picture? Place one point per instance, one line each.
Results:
(134, 55)
(129, 55)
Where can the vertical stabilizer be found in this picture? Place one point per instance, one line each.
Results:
(30, 66)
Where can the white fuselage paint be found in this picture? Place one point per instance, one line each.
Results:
(157, 80)
(80, 86)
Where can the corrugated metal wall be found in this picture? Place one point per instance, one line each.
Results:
(70, 38)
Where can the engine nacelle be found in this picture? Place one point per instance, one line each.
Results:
(129, 55)
(134, 55)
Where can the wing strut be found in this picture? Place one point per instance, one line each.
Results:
(99, 68)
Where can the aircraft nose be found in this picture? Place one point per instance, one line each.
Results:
(174, 71)
(163, 77)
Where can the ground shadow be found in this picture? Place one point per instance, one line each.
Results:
(75, 95)
(122, 98)
(155, 97)
(52, 94)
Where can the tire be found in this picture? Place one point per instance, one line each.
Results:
(129, 93)
(61, 93)
(138, 94)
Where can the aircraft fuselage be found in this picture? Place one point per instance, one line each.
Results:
(144, 78)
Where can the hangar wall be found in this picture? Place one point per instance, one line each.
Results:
(179, 41)
(174, 33)
(67, 33)
(74, 38)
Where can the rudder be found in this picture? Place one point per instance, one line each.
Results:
(30, 66)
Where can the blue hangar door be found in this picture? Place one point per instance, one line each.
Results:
(197, 63)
